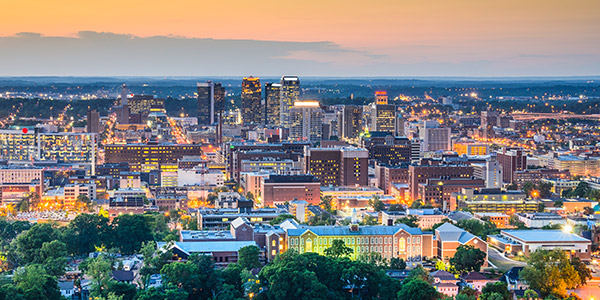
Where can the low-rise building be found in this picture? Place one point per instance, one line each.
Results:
(523, 242)
(493, 201)
(400, 241)
(450, 237)
(498, 219)
(278, 189)
(541, 219)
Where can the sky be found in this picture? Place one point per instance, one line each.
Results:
(488, 38)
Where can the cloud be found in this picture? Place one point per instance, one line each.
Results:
(102, 53)
(90, 53)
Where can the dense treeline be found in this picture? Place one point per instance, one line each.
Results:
(46, 108)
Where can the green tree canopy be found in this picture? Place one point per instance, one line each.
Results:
(550, 272)
(417, 289)
(467, 258)
(248, 257)
(36, 283)
(338, 249)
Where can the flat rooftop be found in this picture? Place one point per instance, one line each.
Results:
(540, 235)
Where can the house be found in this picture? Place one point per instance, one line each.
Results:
(67, 288)
(445, 282)
(123, 276)
(475, 280)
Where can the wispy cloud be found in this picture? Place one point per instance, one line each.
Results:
(90, 53)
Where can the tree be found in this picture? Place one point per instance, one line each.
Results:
(419, 273)
(10, 292)
(495, 291)
(512, 187)
(164, 292)
(130, 231)
(100, 271)
(124, 291)
(196, 276)
(279, 219)
(479, 228)
(558, 203)
(248, 257)
(376, 204)
(411, 221)
(85, 233)
(550, 272)
(36, 283)
(29, 243)
(397, 263)
(417, 289)
(249, 196)
(372, 258)
(514, 221)
(467, 258)
(153, 263)
(338, 249)
(584, 272)
(326, 203)
(54, 257)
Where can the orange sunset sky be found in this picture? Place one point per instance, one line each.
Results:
(438, 37)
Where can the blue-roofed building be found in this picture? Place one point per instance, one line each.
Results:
(399, 241)
(449, 237)
(527, 241)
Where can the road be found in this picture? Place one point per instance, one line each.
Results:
(501, 262)
(590, 290)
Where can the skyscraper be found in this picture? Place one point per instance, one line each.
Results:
(211, 100)
(350, 122)
(383, 117)
(272, 93)
(251, 98)
(306, 121)
(434, 137)
(289, 93)
(93, 121)
(381, 97)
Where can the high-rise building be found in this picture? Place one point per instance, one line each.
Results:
(338, 166)
(289, 93)
(381, 97)
(142, 105)
(251, 98)
(124, 94)
(383, 117)
(512, 160)
(490, 171)
(434, 138)
(386, 148)
(93, 121)
(489, 119)
(273, 103)
(211, 101)
(350, 122)
(306, 121)
(18, 144)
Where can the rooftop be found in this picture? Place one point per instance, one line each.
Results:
(539, 235)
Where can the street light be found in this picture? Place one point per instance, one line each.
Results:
(567, 228)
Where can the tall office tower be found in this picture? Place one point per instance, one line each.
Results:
(511, 159)
(289, 93)
(272, 93)
(93, 121)
(435, 138)
(350, 122)
(490, 171)
(489, 119)
(211, 100)
(251, 98)
(306, 121)
(124, 93)
(399, 125)
(383, 117)
(381, 97)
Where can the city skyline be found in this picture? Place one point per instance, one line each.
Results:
(381, 38)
